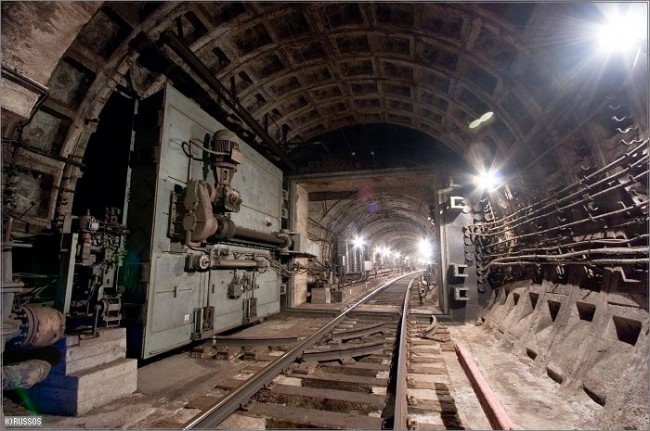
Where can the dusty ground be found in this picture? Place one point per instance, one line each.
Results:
(469, 408)
(531, 401)
(167, 385)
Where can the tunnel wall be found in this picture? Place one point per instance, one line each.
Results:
(589, 342)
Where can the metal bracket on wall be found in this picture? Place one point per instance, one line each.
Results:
(461, 293)
(460, 270)
(457, 202)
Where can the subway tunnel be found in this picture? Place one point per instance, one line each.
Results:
(177, 172)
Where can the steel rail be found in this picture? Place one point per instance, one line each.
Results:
(495, 412)
(401, 403)
(224, 408)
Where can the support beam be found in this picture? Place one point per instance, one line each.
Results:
(197, 66)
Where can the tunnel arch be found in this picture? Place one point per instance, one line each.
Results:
(444, 64)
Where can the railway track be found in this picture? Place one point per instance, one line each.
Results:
(359, 371)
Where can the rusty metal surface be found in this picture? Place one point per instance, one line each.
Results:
(25, 374)
(253, 341)
(43, 326)
(358, 332)
(344, 351)
(491, 405)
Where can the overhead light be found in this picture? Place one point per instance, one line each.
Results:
(488, 180)
(358, 242)
(425, 248)
(486, 116)
(483, 118)
(474, 124)
(622, 31)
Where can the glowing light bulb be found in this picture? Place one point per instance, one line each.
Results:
(488, 180)
(486, 116)
(622, 32)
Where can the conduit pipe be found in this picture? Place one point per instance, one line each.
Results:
(234, 264)
(503, 223)
(495, 412)
(574, 244)
(644, 260)
(575, 223)
(29, 84)
(587, 198)
(605, 168)
(541, 241)
(582, 191)
(256, 236)
(556, 259)
(587, 253)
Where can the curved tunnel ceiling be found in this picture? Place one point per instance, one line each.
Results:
(312, 69)
(381, 215)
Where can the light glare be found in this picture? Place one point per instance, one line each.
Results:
(474, 124)
(425, 249)
(486, 116)
(488, 180)
(621, 32)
